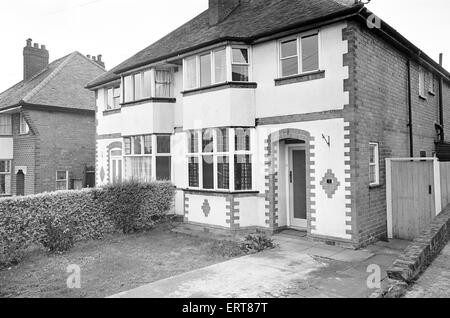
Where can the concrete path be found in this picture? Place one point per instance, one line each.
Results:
(297, 268)
(435, 281)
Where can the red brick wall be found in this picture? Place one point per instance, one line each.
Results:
(378, 83)
(57, 141)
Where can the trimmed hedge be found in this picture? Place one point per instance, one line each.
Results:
(57, 220)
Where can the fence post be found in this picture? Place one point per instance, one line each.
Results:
(389, 198)
(437, 185)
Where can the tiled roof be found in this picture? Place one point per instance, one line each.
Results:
(61, 84)
(250, 20)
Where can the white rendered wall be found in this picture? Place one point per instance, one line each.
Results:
(218, 212)
(6, 148)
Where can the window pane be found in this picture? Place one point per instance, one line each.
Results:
(220, 62)
(372, 174)
(242, 172)
(163, 144)
(208, 172)
(163, 168)
(127, 142)
(146, 90)
(289, 66)
(205, 70)
(138, 168)
(116, 95)
(372, 154)
(61, 175)
(3, 184)
(137, 145)
(222, 140)
(240, 73)
(207, 140)
(110, 99)
(191, 73)
(310, 53)
(5, 125)
(163, 84)
(192, 142)
(242, 139)
(4, 166)
(148, 144)
(223, 172)
(289, 48)
(193, 168)
(129, 89)
(240, 56)
(116, 153)
(138, 86)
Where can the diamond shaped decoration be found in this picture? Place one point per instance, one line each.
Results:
(206, 208)
(330, 183)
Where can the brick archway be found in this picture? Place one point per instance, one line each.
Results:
(272, 178)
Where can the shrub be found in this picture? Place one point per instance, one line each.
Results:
(57, 220)
(257, 242)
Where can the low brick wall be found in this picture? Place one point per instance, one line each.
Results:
(423, 250)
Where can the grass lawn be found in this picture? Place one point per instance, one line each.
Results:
(115, 264)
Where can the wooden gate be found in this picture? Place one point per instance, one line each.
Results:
(413, 195)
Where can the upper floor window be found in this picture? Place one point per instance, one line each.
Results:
(113, 98)
(163, 83)
(137, 86)
(23, 125)
(5, 125)
(211, 67)
(299, 55)
(374, 164)
(421, 82)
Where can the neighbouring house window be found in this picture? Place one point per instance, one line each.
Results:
(211, 67)
(225, 154)
(422, 82)
(5, 125)
(432, 88)
(293, 63)
(240, 65)
(113, 98)
(5, 177)
(62, 180)
(163, 84)
(23, 125)
(374, 164)
(143, 163)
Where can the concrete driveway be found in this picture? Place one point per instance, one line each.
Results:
(296, 269)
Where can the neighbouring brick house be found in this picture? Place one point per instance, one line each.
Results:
(273, 114)
(47, 124)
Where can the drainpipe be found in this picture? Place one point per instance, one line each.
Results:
(410, 123)
(441, 107)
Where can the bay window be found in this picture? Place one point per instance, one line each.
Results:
(147, 158)
(5, 177)
(163, 84)
(137, 86)
(224, 161)
(5, 125)
(299, 55)
(216, 67)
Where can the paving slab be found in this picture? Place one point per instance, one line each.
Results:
(297, 268)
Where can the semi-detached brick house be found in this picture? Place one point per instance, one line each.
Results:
(273, 114)
(47, 124)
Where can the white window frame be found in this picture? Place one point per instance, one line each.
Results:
(60, 180)
(154, 154)
(24, 128)
(8, 119)
(215, 154)
(7, 173)
(376, 163)
(299, 38)
(228, 68)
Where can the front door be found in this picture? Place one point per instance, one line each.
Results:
(297, 187)
(116, 166)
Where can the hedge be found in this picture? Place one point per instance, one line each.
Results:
(57, 220)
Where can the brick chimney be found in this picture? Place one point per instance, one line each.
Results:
(219, 10)
(97, 59)
(35, 59)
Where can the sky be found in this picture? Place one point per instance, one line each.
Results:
(118, 29)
